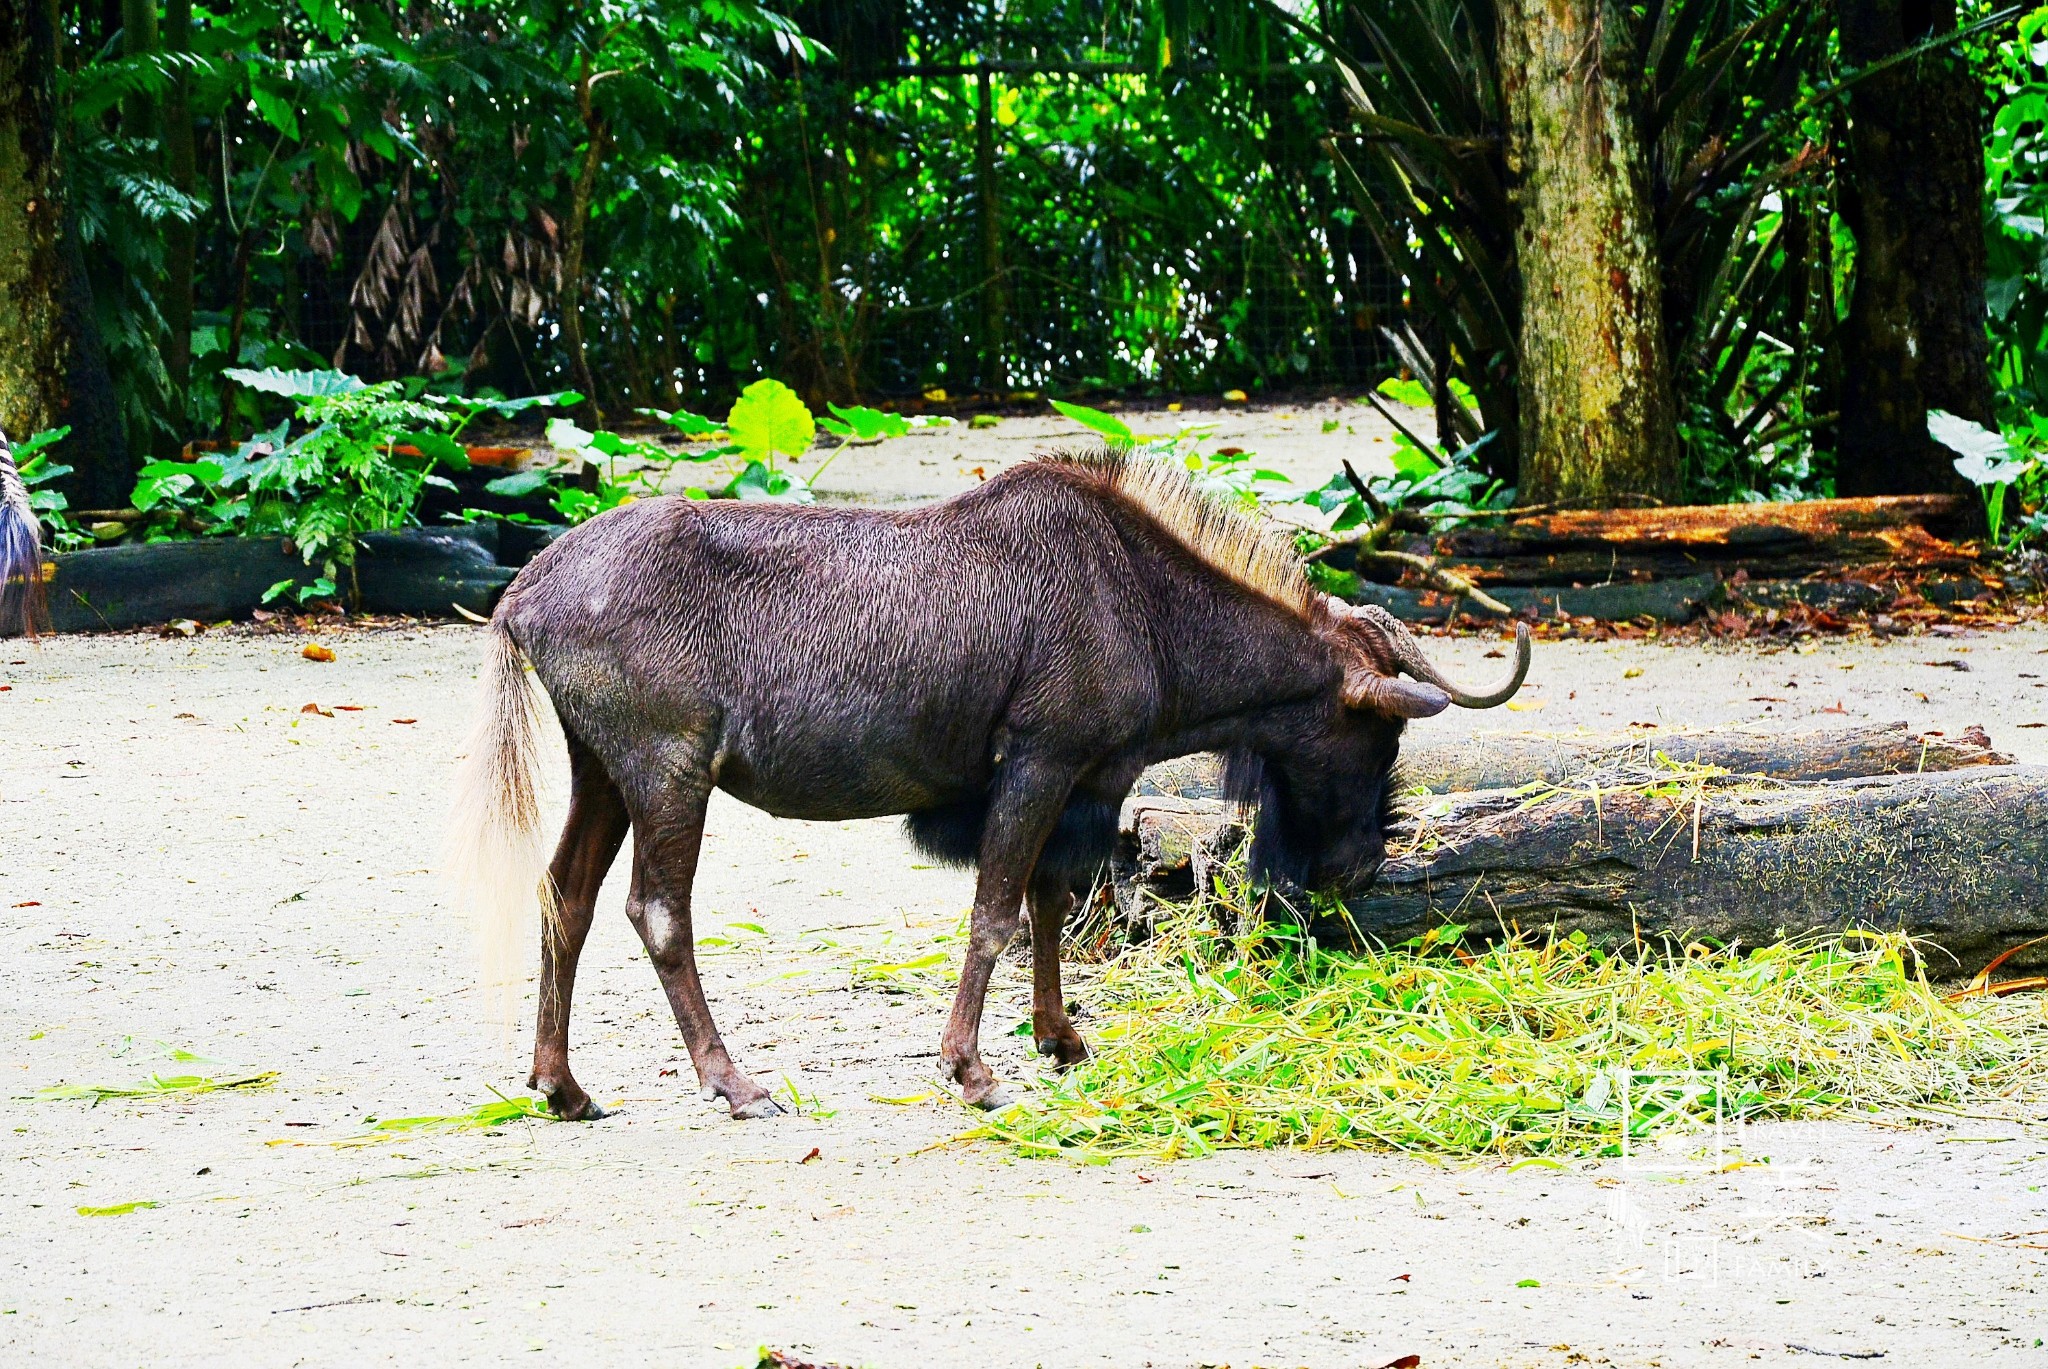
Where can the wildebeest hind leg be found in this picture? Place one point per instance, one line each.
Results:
(668, 829)
(1020, 817)
(590, 842)
(1052, 902)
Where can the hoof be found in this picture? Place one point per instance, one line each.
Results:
(576, 1109)
(1063, 1051)
(994, 1098)
(570, 1104)
(764, 1106)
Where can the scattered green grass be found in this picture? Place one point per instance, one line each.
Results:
(160, 1086)
(497, 1114)
(1206, 1042)
(119, 1209)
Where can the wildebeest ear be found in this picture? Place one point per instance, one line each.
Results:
(1390, 696)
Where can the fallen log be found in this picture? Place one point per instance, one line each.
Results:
(1505, 760)
(1627, 848)
(1768, 541)
(1954, 857)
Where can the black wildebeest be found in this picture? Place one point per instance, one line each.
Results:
(999, 667)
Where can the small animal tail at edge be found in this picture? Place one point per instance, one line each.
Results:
(495, 857)
(21, 551)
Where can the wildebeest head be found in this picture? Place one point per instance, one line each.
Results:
(1322, 797)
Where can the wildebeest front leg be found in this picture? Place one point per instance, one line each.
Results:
(590, 842)
(667, 833)
(1052, 902)
(1019, 819)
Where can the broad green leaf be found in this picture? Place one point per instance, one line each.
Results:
(686, 423)
(768, 417)
(756, 481)
(1983, 456)
(1109, 425)
(567, 436)
(34, 443)
(40, 470)
(277, 111)
(205, 472)
(295, 384)
(518, 485)
(862, 424)
(1412, 463)
(506, 408)
(439, 448)
(1413, 393)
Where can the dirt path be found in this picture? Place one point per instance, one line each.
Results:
(206, 867)
(1303, 442)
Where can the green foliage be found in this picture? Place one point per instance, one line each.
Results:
(1264, 1040)
(768, 419)
(361, 458)
(39, 473)
(1109, 426)
(2016, 212)
(1738, 107)
(767, 426)
(2001, 465)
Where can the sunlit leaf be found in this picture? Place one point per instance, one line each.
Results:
(295, 384)
(1109, 425)
(767, 418)
(1983, 456)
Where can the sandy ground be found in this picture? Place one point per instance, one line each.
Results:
(190, 862)
(200, 865)
(1304, 443)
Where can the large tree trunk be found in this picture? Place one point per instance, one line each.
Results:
(995, 378)
(181, 239)
(574, 232)
(1915, 336)
(53, 368)
(1597, 410)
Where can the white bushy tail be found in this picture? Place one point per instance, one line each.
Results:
(21, 551)
(495, 857)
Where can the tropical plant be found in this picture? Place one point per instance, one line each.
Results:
(2004, 467)
(768, 427)
(2016, 212)
(361, 458)
(40, 474)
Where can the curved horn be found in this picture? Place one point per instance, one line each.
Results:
(1408, 656)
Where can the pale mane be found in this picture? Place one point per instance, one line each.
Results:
(1219, 535)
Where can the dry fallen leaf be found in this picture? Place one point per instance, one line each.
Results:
(350, 708)
(812, 1155)
(1524, 706)
(1982, 985)
(1836, 709)
(405, 720)
(316, 708)
(1634, 672)
(313, 651)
